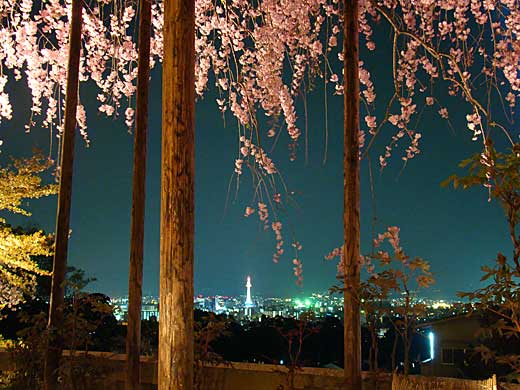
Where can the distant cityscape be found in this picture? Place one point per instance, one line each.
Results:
(252, 307)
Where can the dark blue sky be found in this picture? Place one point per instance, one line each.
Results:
(456, 231)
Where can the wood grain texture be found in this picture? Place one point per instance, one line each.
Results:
(351, 309)
(177, 199)
(135, 279)
(54, 326)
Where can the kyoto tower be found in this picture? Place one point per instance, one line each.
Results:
(249, 301)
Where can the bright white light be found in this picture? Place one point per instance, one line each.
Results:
(431, 337)
(281, 361)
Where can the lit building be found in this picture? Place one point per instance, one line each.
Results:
(249, 302)
(220, 304)
(150, 311)
(450, 340)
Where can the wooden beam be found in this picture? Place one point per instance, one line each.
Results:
(177, 198)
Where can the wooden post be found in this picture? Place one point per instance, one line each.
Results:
(351, 309)
(135, 280)
(54, 326)
(177, 199)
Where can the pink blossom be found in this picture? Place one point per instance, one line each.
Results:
(443, 112)
(249, 211)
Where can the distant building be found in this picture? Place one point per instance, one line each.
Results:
(220, 304)
(121, 312)
(249, 301)
(199, 302)
(450, 339)
(150, 311)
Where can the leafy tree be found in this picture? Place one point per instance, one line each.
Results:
(403, 277)
(208, 328)
(88, 324)
(499, 172)
(391, 274)
(91, 308)
(294, 338)
(20, 181)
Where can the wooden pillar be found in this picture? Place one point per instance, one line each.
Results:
(177, 199)
(351, 309)
(135, 280)
(54, 326)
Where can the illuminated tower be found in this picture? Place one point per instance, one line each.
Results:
(249, 301)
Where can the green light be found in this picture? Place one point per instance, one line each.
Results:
(307, 302)
(298, 302)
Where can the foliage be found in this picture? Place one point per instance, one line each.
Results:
(294, 338)
(87, 319)
(391, 274)
(208, 328)
(18, 271)
(14, 319)
(404, 277)
(267, 341)
(500, 173)
(22, 180)
(149, 337)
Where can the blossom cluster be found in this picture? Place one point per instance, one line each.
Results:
(465, 43)
(259, 54)
(262, 55)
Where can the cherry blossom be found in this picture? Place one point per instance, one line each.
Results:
(260, 55)
(247, 48)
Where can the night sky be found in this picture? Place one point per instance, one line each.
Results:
(457, 231)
